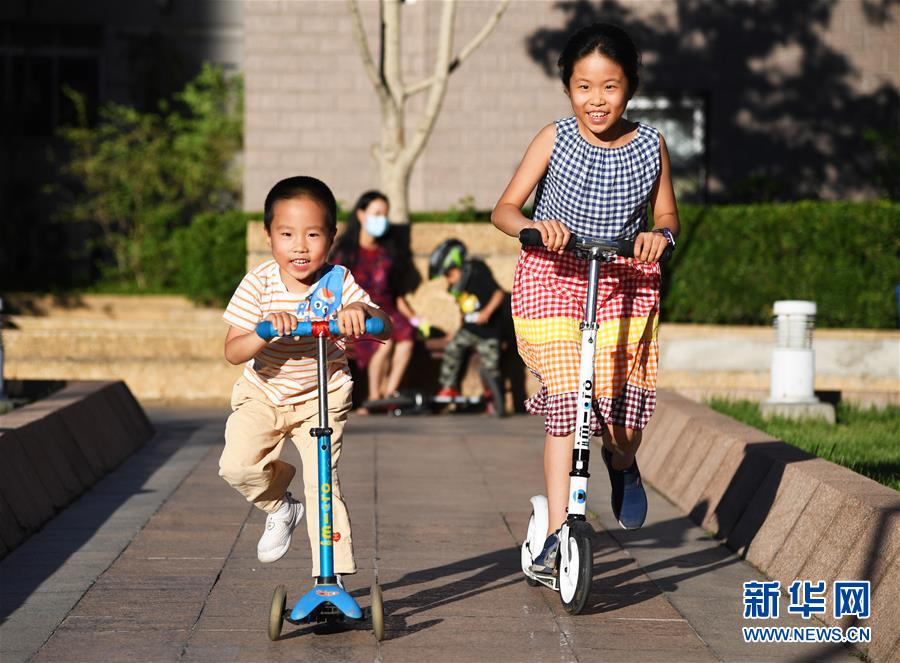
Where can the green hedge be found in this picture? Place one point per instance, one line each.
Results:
(733, 262)
(211, 254)
(133, 179)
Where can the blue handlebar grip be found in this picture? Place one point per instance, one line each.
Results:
(266, 330)
(374, 325)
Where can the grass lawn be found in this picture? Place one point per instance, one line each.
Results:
(865, 440)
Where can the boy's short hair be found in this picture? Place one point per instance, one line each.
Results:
(302, 186)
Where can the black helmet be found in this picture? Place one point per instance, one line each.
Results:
(449, 253)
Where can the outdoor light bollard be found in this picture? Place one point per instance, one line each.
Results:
(793, 360)
(792, 391)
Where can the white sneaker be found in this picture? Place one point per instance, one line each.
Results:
(276, 539)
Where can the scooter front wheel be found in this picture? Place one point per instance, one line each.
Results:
(276, 612)
(377, 612)
(576, 566)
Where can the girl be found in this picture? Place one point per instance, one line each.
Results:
(380, 266)
(598, 171)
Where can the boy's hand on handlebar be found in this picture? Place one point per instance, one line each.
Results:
(554, 233)
(284, 323)
(352, 320)
(649, 247)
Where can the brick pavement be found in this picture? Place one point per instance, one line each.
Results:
(438, 506)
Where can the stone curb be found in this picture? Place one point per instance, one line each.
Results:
(57, 447)
(792, 515)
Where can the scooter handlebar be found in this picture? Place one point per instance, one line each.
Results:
(621, 247)
(266, 330)
(532, 237)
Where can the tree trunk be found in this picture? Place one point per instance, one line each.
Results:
(394, 155)
(395, 185)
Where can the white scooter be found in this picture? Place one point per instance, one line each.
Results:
(574, 560)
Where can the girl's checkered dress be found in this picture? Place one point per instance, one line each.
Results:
(601, 193)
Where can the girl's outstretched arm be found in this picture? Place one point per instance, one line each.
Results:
(507, 214)
(662, 198)
(649, 246)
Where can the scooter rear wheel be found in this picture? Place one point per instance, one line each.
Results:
(276, 612)
(377, 612)
(576, 567)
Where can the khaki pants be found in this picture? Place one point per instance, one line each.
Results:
(254, 437)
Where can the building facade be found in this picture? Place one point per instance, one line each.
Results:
(759, 100)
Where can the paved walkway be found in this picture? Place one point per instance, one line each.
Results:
(157, 562)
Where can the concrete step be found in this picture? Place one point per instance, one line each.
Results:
(107, 307)
(126, 325)
(102, 333)
(113, 344)
(183, 380)
(71, 321)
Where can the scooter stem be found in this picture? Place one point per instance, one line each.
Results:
(581, 451)
(323, 439)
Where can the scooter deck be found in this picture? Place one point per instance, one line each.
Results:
(548, 580)
(325, 602)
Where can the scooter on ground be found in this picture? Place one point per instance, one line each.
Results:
(415, 401)
(327, 601)
(574, 562)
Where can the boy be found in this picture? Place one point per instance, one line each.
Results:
(276, 394)
(479, 297)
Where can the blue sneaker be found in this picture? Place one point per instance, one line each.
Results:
(629, 500)
(545, 563)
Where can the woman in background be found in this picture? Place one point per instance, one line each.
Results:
(380, 265)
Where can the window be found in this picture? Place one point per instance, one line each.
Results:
(683, 123)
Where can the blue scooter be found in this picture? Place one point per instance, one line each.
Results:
(327, 601)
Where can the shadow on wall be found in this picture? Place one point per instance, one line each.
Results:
(784, 119)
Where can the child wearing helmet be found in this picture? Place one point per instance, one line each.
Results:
(472, 284)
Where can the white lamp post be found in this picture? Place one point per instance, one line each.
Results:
(794, 365)
(793, 360)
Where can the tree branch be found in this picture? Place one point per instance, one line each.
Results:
(362, 43)
(393, 75)
(470, 48)
(438, 88)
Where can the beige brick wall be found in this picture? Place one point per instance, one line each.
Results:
(311, 109)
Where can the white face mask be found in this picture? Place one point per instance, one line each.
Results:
(376, 225)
